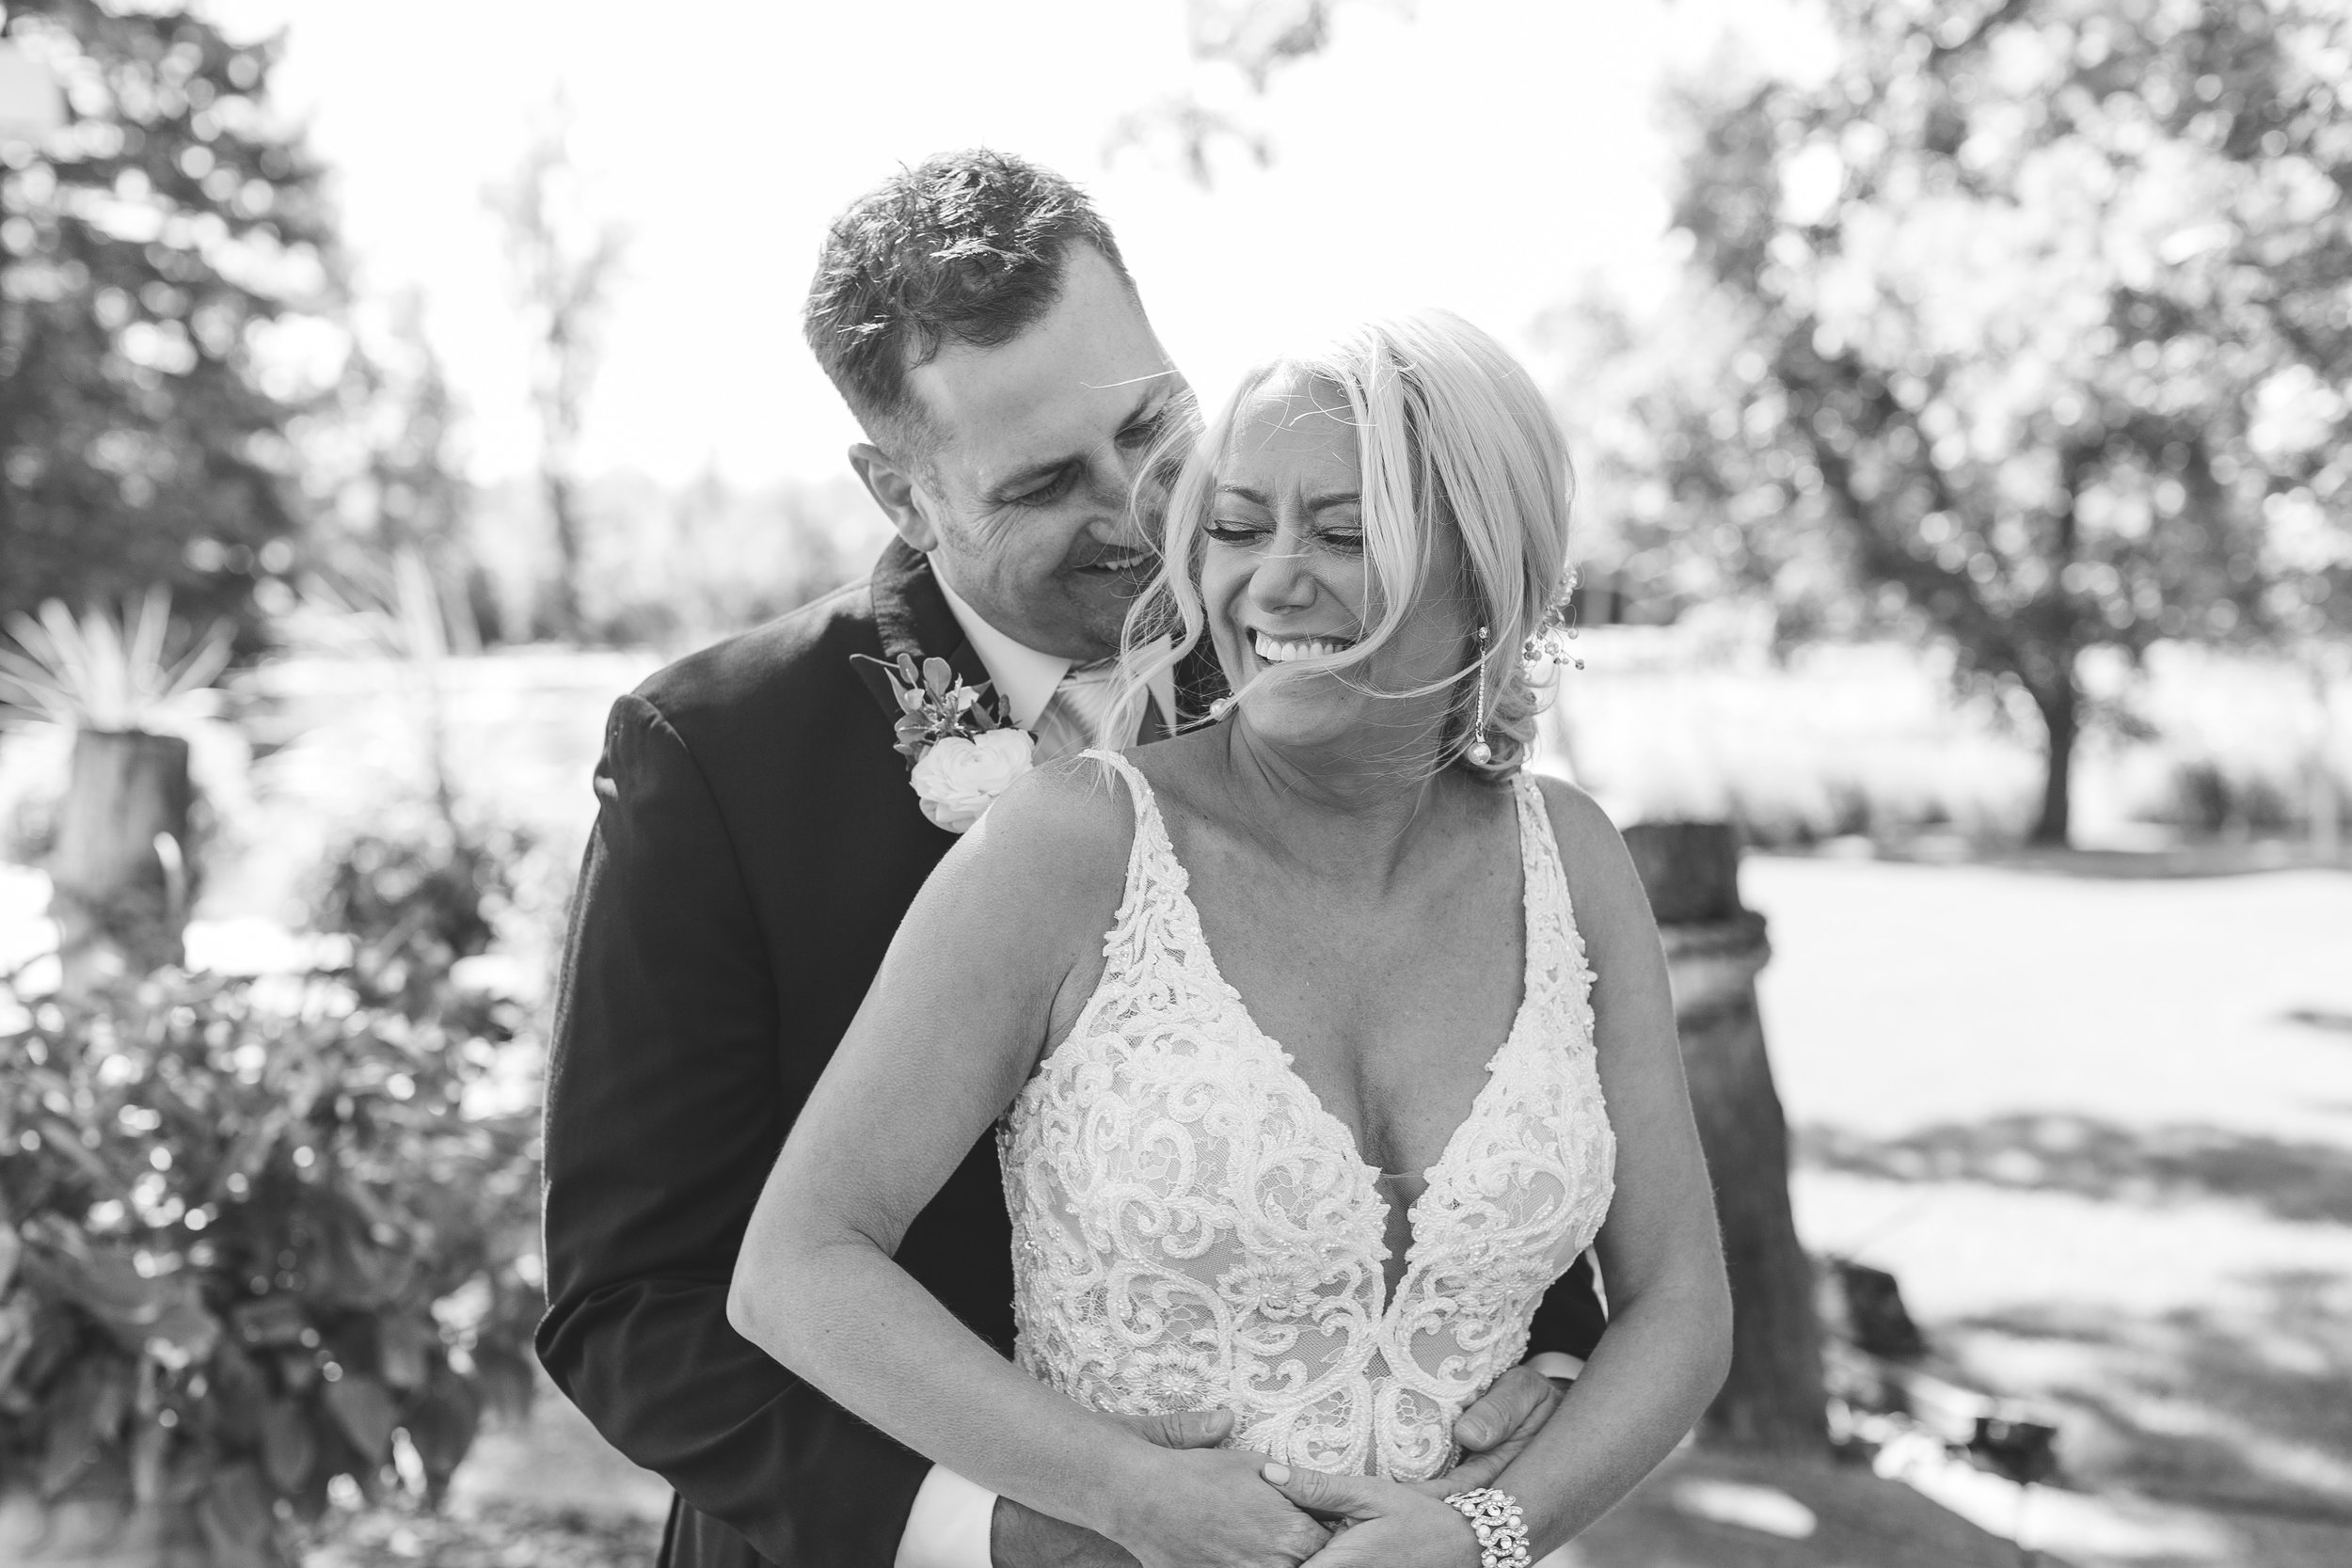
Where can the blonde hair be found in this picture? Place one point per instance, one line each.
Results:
(1453, 433)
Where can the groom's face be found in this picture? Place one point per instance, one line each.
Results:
(1025, 493)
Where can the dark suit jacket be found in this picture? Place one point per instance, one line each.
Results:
(757, 842)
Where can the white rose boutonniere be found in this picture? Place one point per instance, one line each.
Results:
(960, 776)
(962, 749)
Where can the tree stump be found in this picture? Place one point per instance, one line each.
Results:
(120, 874)
(1773, 1401)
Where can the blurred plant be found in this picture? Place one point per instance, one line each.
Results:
(565, 262)
(2028, 322)
(150, 246)
(418, 905)
(248, 1236)
(393, 610)
(109, 673)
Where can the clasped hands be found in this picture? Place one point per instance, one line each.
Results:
(1222, 1508)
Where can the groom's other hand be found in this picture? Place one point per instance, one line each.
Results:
(1493, 1430)
(1019, 1536)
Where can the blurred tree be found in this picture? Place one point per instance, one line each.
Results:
(564, 260)
(1239, 45)
(2034, 320)
(386, 467)
(147, 249)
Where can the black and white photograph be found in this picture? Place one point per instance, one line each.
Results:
(1187, 783)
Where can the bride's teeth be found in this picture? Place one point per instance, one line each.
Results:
(1288, 650)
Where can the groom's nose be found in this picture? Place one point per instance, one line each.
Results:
(1121, 509)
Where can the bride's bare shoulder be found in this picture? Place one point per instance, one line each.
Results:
(1601, 879)
(1064, 824)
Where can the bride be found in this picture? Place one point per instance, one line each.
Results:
(1320, 1039)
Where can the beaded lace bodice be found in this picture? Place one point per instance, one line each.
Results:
(1192, 1228)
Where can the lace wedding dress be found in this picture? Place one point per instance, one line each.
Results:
(1192, 1228)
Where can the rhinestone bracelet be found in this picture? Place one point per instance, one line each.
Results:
(1501, 1530)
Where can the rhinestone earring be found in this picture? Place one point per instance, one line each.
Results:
(1480, 753)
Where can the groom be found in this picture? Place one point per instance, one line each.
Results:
(758, 841)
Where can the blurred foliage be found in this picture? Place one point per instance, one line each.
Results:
(386, 474)
(2027, 325)
(253, 1234)
(416, 905)
(666, 568)
(565, 260)
(671, 566)
(257, 1234)
(502, 1533)
(150, 247)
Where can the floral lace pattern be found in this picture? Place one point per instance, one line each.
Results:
(1191, 1227)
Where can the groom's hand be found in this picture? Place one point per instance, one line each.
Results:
(1494, 1431)
(1021, 1537)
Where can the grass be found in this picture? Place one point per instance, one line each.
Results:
(2101, 1129)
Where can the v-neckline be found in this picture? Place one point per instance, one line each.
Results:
(1181, 882)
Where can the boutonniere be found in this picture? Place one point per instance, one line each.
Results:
(962, 747)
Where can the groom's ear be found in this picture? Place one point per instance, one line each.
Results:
(898, 493)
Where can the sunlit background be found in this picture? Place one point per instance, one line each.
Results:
(1961, 397)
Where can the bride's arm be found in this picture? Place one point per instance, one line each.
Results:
(988, 965)
(1668, 1343)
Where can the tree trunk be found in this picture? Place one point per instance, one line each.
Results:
(2325, 810)
(563, 614)
(2060, 705)
(1773, 1401)
(120, 874)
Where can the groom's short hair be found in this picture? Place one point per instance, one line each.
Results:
(965, 248)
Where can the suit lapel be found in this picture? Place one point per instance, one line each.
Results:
(911, 616)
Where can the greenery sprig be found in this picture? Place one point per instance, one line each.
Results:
(936, 706)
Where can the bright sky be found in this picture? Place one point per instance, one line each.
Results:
(1482, 154)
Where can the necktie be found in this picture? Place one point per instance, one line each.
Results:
(1080, 712)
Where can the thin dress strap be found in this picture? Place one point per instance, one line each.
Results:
(1556, 948)
(1150, 851)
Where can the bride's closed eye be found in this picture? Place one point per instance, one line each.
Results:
(1232, 530)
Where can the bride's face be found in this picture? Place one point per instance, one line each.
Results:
(1285, 579)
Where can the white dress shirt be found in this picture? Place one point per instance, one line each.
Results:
(949, 1526)
(1023, 677)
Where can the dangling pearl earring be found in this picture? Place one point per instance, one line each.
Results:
(1480, 753)
(1220, 708)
